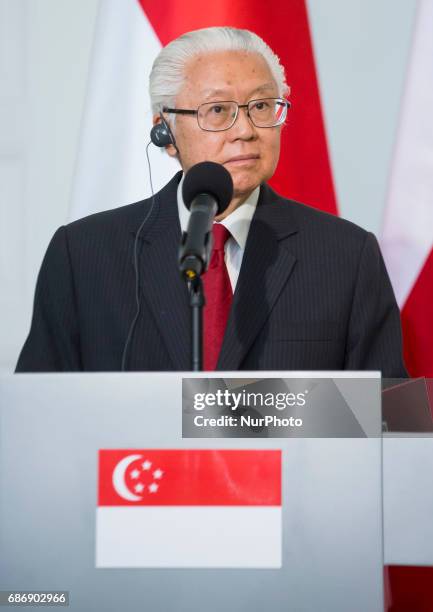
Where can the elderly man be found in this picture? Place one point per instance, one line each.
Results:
(310, 291)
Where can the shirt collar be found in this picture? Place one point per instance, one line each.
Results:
(238, 222)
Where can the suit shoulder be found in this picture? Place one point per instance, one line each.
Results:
(130, 216)
(321, 221)
(126, 217)
(328, 232)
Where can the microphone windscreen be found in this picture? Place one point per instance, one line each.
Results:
(208, 177)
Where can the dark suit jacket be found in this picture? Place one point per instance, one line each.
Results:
(312, 294)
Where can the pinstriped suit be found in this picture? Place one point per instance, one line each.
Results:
(313, 293)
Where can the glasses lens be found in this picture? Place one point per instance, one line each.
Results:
(215, 116)
(267, 112)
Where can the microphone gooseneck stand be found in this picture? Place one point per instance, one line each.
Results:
(196, 301)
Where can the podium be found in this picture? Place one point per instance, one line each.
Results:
(52, 429)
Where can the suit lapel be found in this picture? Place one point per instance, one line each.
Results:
(162, 287)
(266, 266)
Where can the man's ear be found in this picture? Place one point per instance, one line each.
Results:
(162, 136)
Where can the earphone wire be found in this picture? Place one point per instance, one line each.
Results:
(136, 270)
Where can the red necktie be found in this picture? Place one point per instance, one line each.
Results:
(218, 294)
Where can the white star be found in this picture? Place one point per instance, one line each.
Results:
(146, 465)
(153, 488)
(158, 473)
(139, 488)
(135, 474)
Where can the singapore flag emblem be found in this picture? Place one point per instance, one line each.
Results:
(189, 508)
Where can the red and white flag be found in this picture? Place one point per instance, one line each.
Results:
(407, 240)
(189, 508)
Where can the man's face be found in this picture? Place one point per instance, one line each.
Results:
(249, 153)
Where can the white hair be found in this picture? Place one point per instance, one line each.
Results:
(168, 70)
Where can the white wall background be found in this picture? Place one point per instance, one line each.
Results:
(45, 47)
(361, 49)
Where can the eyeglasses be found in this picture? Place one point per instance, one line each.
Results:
(220, 116)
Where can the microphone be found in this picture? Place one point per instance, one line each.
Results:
(207, 191)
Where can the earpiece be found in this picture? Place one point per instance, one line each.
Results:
(161, 134)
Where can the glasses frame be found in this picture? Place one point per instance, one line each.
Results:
(189, 111)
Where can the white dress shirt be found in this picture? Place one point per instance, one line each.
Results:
(238, 223)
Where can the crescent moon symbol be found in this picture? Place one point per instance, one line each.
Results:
(119, 483)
